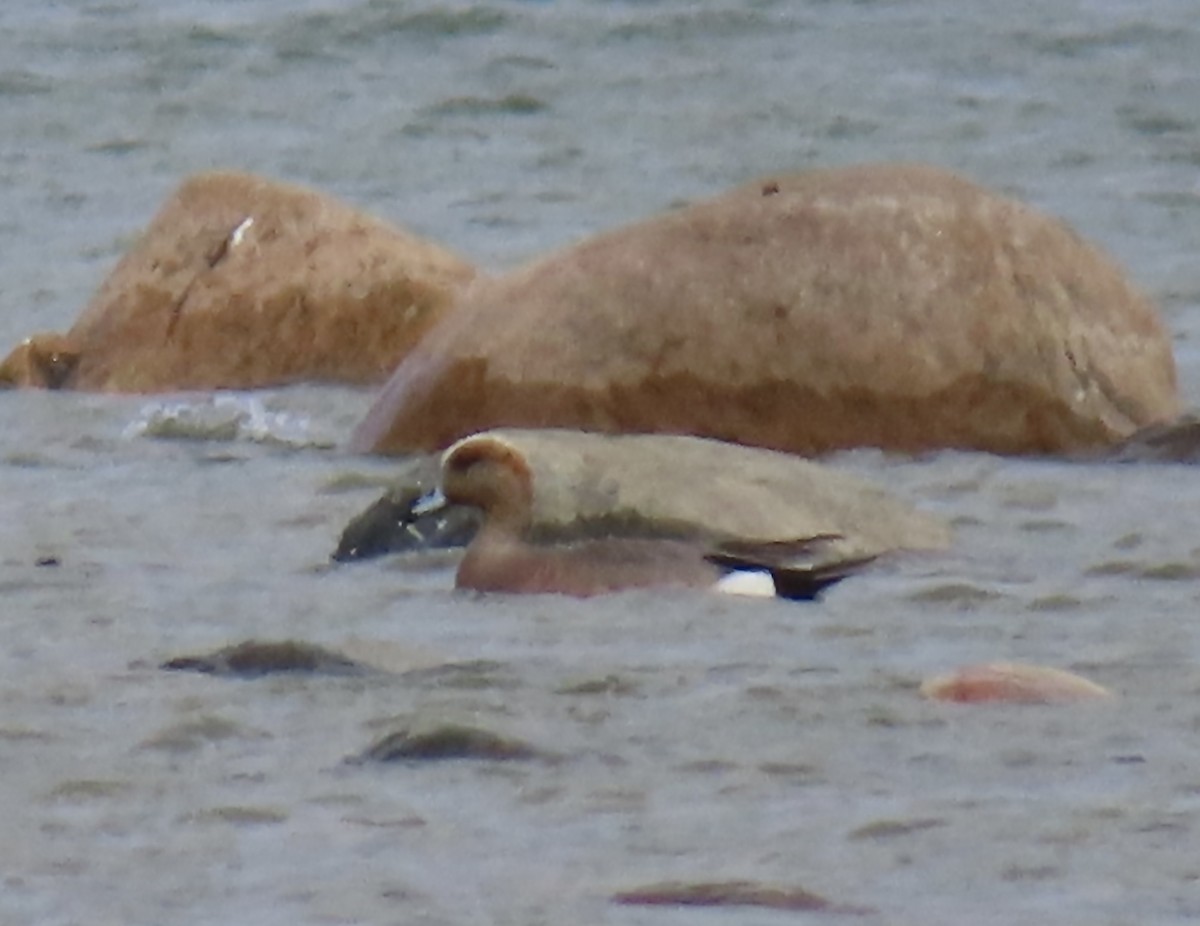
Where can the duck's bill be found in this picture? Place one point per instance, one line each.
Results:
(429, 503)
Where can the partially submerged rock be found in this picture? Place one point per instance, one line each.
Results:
(254, 658)
(1177, 441)
(353, 656)
(44, 361)
(894, 306)
(240, 282)
(1011, 683)
(738, 893)
(446, 741)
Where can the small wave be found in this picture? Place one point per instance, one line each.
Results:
(118, 146)
(1155, 121)
(520, 104)
(372, 22)
(473, 20)
(24, 83)
(692, 24)
(225, 418)
(1077, 43)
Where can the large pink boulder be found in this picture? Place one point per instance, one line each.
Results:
(894, 306)
(241, 282)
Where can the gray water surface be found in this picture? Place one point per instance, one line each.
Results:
(697, 737)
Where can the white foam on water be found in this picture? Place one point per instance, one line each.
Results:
(224, 417)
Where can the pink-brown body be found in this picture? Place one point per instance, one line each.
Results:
(490, 474)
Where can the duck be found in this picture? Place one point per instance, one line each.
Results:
(492, 476)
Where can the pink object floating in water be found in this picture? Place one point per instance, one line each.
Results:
(1011, 683)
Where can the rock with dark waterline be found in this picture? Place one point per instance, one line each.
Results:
(894, 306)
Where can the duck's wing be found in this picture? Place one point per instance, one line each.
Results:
(801, 569)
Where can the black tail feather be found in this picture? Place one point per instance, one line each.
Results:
(801, 569)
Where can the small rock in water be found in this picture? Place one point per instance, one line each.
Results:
(261, 657)
(1011, 683)
(43, 360)
(729, 894)
(446, 741)
(1176, 441)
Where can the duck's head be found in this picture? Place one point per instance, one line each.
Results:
(488, 473)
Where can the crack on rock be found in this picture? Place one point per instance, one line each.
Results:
(212, 257)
